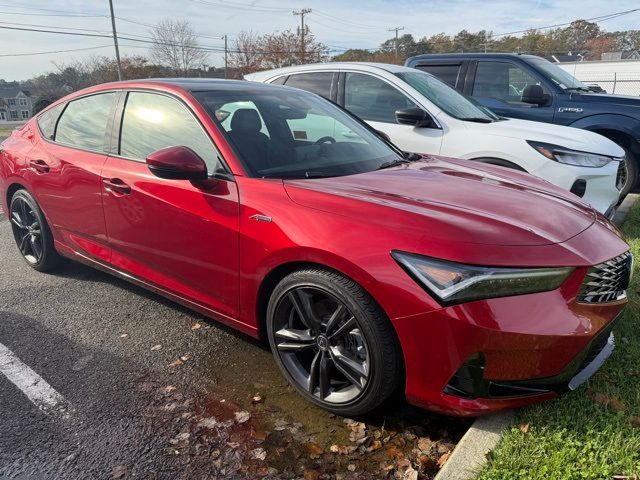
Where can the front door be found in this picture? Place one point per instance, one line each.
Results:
(178, 236)
(374, 100)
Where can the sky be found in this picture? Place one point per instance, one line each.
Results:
(340, 24)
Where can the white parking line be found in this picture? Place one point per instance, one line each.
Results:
(41, 394)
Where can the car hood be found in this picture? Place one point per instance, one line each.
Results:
(568, 137)
(452, 200)
(633, 102)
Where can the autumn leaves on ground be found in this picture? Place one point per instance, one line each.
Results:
(594, 432)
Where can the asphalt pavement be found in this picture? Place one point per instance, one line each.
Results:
(149, 389)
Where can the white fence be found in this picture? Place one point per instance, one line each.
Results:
(622, 77)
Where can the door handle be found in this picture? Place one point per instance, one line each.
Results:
(116, 186)
(39, 166)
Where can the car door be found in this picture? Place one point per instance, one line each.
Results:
(499, 85)
(67, 163)
(177, 235)
(375, 100)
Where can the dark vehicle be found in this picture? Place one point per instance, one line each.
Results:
(532, 88)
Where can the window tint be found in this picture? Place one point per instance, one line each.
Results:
(503, 81)
(152, 122)
(47, 121)
(373, 99)
(446, 73)
(84, 122)
(319, 83)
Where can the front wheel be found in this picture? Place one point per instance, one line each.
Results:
(31, 232)
(627, 175)
(333, 342)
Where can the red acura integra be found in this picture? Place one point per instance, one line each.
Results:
(473, 287)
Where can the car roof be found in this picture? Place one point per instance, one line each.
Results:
(365, 66)
(444, 56)
(190, 84)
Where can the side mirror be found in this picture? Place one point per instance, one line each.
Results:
(414, 116)
(383, 135)
(177, 163)
(534, 95)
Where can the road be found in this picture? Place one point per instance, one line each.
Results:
(149, 389)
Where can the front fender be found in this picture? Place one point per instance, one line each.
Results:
(616, 122)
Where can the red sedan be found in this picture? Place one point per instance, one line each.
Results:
(473, 287)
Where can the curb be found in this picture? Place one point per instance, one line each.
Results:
(483, 436)
(470, 454)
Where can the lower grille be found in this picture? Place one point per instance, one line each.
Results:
(608, 281)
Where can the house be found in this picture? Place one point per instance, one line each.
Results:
(625, 55)
(15, 105)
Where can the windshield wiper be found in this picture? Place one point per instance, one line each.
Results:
(477, 119)
(578, 89)
(412, 157)
(393, 163)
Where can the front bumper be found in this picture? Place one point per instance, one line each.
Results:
(532, 347)
(596, 186)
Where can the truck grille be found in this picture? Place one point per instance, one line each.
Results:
(608, 281)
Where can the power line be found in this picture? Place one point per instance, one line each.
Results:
(52, 51)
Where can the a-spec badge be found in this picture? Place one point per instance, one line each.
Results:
(260, 218)
(570, 109)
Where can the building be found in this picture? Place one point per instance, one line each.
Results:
(15, 105)
(626, 55)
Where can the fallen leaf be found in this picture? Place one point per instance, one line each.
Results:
(258, 454)
(311, 475)
(181, 437)
(185, 358)
(124, 335)
(425, 462)
(169, 389)
(259, 435)
(524, 427)
(617, 404)
(424, 444)
(598, 397)
(334, 448)
(176, 363)
(119, 471)
(410, 474)
(351, 467)
(257, 399)
(315, 450)
(635, 421)
(375, 445)
(155, 348)
(242, 417)
(209, 422)
(196, 326)
(233, 445)
(443, 459)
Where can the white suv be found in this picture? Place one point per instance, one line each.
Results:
(421, 114)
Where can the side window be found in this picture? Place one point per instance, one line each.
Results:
(503, 81)
(47, 121)
(152, 122)
(446, 73)
(84, 122)
(319, 83)
(280, 80)
(373, 99)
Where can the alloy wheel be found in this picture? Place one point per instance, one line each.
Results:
(321, 345)
(27, 230)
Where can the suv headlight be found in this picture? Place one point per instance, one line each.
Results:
(570, 157)
(451, 282)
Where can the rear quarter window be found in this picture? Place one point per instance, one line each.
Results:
(48, 120)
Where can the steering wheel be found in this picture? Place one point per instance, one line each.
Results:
(326, 139)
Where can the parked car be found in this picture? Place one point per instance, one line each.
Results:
(543, 92)
(421, 114)
(473, 287)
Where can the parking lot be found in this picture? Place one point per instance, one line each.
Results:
(149, 389)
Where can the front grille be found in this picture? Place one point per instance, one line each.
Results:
(607, 281)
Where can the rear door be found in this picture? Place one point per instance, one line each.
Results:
(176, 235)
(375, 100)
(67, 162)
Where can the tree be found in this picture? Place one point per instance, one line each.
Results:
(282, 49)
(577, 35)
(176, 46)
(600, 45)
(246, 57)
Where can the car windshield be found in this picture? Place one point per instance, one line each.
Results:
(559, 76)
(284, 133)
(446, 98)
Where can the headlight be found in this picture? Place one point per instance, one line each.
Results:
(570, 157)
(451, 282)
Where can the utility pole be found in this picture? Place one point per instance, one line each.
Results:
(302, 30)
(396, 29)
(115, 40)
(226, 61)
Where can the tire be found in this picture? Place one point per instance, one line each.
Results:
(631, 164)
(367, 341)
(32, 233)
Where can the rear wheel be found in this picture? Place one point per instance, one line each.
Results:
(31, 232)
(333, 342)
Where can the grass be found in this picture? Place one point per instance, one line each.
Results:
(582, 436)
